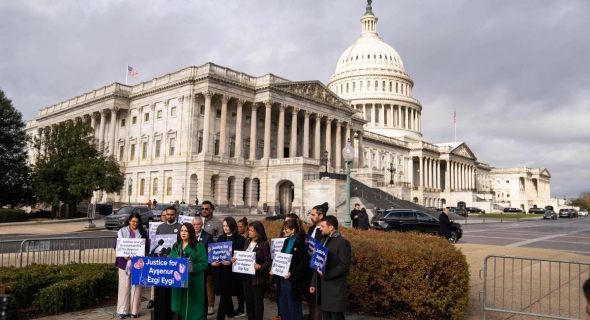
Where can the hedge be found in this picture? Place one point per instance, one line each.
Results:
(402, 275)
(55, 289)
(14, 215)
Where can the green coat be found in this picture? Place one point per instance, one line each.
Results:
(189, 302)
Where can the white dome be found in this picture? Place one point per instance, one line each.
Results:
(369, 52)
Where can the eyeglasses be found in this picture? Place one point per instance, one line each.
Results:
(204, 209)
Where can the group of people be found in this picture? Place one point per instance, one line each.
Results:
(359, 218)
(325, 292)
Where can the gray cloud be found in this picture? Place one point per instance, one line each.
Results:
(517, 72)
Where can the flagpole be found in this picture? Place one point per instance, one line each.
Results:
(455, 122)
(126, 73)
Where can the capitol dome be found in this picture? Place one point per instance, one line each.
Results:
(370, 74)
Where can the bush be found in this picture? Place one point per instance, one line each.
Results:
(12, 215)
(55, 289)
(403, 275)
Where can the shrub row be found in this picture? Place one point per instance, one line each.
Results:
(402, 275)
(55, 289)
(12, 215)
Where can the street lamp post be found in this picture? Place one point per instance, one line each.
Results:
(348, 155)
(324, 160)
(391, 171)
(130, 186)
(182, 192)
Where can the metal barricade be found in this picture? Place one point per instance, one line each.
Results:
(9, 253)
(61, 251)
(543, 288)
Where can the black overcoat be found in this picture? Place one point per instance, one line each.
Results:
(333, 284)
(445, 225)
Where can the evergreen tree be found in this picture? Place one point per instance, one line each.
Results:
(70, 167)
(15, 188)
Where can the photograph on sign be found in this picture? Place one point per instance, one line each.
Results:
(130, 247)
(276, 245)
(244, 262)
(281, 264)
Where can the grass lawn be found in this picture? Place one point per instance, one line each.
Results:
(510, 215)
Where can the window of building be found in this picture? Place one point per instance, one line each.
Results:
(172, 142)
(200, 140)
(260, 123)
(216, 147)
(155, 186)
(383, 87)
(368, 85)
(366, 155)
(122, 122)
(159, 114)
(218, 113)
(361, 86)
(132, 152)
(347, 88)
(169, 186)
(259, 149)
(507, 181)
(232, 147)
(144, 147)
(121, 151)
(248, 119)
(233, 117)
(390, 86)
(353, 86)
(508, 195)
(274, 125)
(341, 88)
(146, 117)
(246, 149)
(402, 88)
(141, 187)
(134, 120)
(288, 128)
(158, 148)
(173, 112)
(396, 87)
(376, 85)
(202, 110)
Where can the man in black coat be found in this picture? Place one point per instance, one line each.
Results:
(363, 220)
(205, 238)
(354, 214)
(316, 215)
(333, 288)
(445, 224)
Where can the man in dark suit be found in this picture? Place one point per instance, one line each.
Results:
(354, 215)
(205, 238)
(316, 215)
(445, 224)
(333, 288)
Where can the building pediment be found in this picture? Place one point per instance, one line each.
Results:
(462, 150)
(313, 90)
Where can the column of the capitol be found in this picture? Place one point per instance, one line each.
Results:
(266, 152)
(281, 129)
(223, 126)
(253, 125)
(306, 115)
(338, 145)
(293, 143)
(207, 121)
(239, 142)
(328, 140)
(317, 152)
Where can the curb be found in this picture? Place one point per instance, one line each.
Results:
(42, 222)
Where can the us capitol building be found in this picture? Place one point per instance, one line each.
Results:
(256, 144)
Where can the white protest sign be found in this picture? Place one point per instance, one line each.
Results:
(276, 245)
(244, 262)
(152, 229)
(281, 264)
(185, 219)
(130, 247)
(169, 240)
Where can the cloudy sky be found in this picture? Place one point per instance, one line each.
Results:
(517, 72)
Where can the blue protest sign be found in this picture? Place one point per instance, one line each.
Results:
(318, 259)
(160, 272)
(311, 243)
(219, 251)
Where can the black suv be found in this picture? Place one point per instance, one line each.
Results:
(475, 210)
(411, 220)
(119, 218)
(537, 210)
(512, 210)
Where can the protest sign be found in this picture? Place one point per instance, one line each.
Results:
(169, 240)
(160, 272)
(318, 259)
(281, 264)
(152, 229)
(276, 245)
(130, 247)
(185, 219)
(244, 262)
(311, 243)
(219, 251)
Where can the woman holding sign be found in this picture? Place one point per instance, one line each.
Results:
(129, 297)
(189, 302)
(227, 283)
(254, 285)
(292, 286)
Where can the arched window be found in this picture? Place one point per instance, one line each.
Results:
(390, 86)
(169, 186)
(155, 186)
(353, 86)
(141, 187)
(347, 88)
(396, 87)
(368, 85)
(341, 89)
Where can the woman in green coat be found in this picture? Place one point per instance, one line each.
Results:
(189, 302)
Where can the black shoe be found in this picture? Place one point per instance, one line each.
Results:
(150, 304)
(239, 314)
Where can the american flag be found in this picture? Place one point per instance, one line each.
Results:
(132, 72)
(455, 117)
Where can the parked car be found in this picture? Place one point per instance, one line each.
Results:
(120, 217)
(461, 212)
(512, 210)
(159, 209)
(537, 210)
(412, 220)
(583, 213)
(475, 210)
(549, 215)
(567, 213)
(190, 210)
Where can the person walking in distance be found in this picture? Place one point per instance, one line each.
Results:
(205, 238)
(363, 220)
(333, 287)
(316, 215)
(445, 224)
(354, 215)
(214, 227)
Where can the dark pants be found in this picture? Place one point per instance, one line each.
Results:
(240, 301)
(315, 311)
(290, 309)
(225, 308)
(254, 299)
(333, 315)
